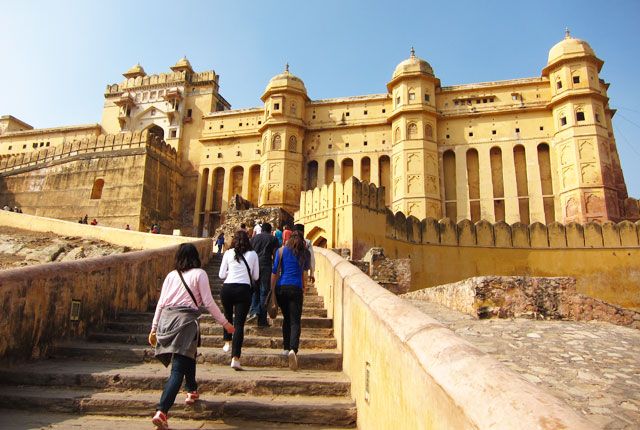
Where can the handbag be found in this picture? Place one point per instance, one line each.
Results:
(194, 301)
(272, 304)
(252, 283)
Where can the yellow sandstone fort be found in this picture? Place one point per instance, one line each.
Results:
(170, 150)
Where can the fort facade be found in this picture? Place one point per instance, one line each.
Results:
(526, 150)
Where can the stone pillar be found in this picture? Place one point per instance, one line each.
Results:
(462, 184)
(486, 185)
(511, 208)
(226, 189)
(208, 205)
(357, 168)
(536, 206)
(246, 176)
(321, 172)
(375, 170)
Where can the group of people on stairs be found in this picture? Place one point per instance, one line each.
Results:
(261, 262)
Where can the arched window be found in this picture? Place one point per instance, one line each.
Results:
(579, 114)
(293, 108)
(412, 95)
(277, 142)
(396, 135)
(428, 131)
(412, 130)
(293, 144)
(96, 191)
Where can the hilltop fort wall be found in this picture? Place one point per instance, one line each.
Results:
(603, 257)
(128, 178)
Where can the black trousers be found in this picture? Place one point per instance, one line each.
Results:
(290, 299)
(236, 299)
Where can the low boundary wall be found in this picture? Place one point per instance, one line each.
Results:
(35, 301)
(409, 371)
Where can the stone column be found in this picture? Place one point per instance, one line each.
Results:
(462, 184)
(357, 168)
(511, 208)
(374, 172)
(226, 189)
(486, 185)
(536, 205)
(246, 175)
(208, 205)
(321, 173)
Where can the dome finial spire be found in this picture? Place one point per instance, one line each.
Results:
(413, 52)
(567, 33)
(286, 67)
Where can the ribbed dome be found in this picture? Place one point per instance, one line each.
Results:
(412, 65)
(286, 80)
(569, 47)
(134, 72)
(182, 64)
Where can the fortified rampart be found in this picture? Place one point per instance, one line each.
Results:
(128, 178)
(604, 258)
(36, 301)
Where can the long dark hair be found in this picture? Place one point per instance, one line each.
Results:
(298, 246)
(241, 243)
(187, 258)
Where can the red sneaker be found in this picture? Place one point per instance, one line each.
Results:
(160, 421)
(192, 397)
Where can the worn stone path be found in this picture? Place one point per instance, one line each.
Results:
(594, 367)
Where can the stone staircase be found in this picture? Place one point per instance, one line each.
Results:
(113, 373)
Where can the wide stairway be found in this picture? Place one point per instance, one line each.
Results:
(114, 374)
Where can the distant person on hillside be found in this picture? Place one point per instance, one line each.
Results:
(220, 242)
(94, 222)
(6, 208)
(85, 220)
(286, 233)
(127, 227)
(312, 259)
(239, 265)
(278, 235)
(265, 245)
(175, 333)
(288, 283)
(257, 228)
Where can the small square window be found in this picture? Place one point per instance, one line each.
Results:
(514, 97)
(412, 96)
(10, 147)
(455, 102)
(365, 143)
(541, 128)
(517, 130)
(207, 155)
(240, 125)
(597, 117)
(209, 127)
(493, 132)
(384, 141)
(259, 122)
(559, 84)
(330, 146)
(41, 144)
(447, 136)
(576, 79)
(24, 146)
(563, 121)
(365, 112)
(221, 126)
(346, 145)
(398, 100)
(35, 145)
(468, 102)
(484, 100)
(579, 116)
(219, 154)
(313, 117)
(471, 134)
(427, 97)
(174, 133)
(189, 113)
(347, 114)
(478, 101)
(276, 106)
(384, 110)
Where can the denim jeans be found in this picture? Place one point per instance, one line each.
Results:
(259, 298)
(290, 301)
(182, 367)
(236, 299)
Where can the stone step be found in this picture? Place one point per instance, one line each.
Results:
(217, 341)
(20, 419)
(212, 380)
(215, 329)
(207, 318)
(319, 359)
(296, 409)
(216, 287)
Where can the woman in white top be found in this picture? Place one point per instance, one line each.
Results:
(239, 265)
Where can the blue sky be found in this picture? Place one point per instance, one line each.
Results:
(59, 56)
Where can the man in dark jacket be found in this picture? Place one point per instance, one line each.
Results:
(265, 245)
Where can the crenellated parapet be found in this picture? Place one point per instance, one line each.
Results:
(608, 234)
(162, 79)
(92, 145)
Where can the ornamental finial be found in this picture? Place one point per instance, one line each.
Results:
(567, 33)
(286, 67)
(413, 52)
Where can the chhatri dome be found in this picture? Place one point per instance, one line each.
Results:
(134, 72)
(182, 64)
(285, 81)
(412, 65)
(569, 47)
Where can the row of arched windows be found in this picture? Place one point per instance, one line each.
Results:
(276, 143)
(497, 181)
(412, 132)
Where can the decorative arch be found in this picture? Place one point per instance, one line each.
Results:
(293, 144)
(317, 236)
(276, 142)
(396, 135)
(412, 130)
(155, 130)
(428, 131)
